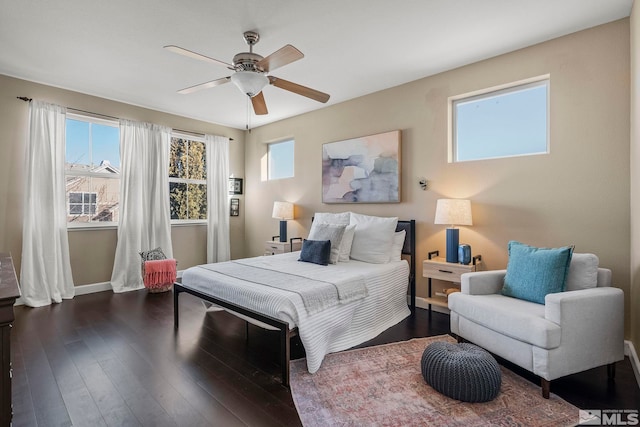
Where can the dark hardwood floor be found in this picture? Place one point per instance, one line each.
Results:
(114, 360)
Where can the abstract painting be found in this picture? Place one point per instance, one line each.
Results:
(362, 170)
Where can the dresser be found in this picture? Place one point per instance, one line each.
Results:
(9, 292)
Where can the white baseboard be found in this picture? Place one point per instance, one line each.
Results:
(91, 288)
(630, 351)
(82, 290)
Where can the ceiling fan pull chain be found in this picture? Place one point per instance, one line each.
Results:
(248, 116)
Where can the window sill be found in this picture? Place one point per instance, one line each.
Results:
(188, 223)
(91, 227)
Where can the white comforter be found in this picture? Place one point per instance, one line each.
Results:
(333, 329)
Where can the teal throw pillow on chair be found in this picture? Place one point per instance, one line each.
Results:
(534, 272)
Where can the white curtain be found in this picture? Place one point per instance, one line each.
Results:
(145, 221)
(218, 246)
(45, 275)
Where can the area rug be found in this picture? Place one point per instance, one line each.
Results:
(383, 386)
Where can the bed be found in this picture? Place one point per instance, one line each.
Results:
(253, 289)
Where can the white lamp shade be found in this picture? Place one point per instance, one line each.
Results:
(282, 210)
(249, 82)
(453, 212)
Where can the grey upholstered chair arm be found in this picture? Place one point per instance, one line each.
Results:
(576, 307)
(482, 282)
(592, 322)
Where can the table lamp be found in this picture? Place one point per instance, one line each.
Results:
(453, 212)
(283, 211)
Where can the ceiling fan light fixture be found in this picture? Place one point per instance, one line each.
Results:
(250, 83)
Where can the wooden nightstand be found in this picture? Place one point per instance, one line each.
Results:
(438, 268)
(273, 247)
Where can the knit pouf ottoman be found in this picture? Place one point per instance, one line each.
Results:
(461, 371)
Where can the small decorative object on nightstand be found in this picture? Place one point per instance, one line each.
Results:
(273, 247)
(438, 268)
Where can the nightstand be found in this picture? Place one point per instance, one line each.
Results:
(438, 268)
(273, 247)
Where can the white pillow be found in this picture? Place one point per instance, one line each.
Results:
(341, 218)
(396, 246)
(347, 241)
(373, 238)
(583, 272)
(332, 232)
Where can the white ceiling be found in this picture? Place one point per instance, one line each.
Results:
(114, 48)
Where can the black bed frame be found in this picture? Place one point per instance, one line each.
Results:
(285, 333)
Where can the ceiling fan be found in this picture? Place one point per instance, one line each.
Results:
(251, 72)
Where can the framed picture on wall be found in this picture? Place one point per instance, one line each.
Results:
(362, 170)
(234, 207)
(235, 185)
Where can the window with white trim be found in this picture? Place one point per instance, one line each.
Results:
(280, 159)
(187, 179)
(500, 122)
(92, 171)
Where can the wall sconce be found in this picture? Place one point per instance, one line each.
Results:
(424, 184)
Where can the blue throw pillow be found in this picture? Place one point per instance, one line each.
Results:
(533, 272)
(316, 251)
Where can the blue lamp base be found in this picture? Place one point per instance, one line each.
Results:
(283, 231)
(453, 237)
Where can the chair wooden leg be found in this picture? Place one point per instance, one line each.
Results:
(611, 370)
(546, 387)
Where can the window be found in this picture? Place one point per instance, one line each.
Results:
(280, 160)
(187, 179)
(504, 122)
(92, 169)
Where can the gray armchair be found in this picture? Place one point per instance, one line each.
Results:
(572, 331)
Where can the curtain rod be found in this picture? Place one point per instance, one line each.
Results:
(26, 99)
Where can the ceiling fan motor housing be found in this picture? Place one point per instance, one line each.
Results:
(247, 61)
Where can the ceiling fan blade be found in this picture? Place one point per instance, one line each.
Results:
(299, 89)
(283, 56)
(206, 85)
(259, 106)
(186, 52)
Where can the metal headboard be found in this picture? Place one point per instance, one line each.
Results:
(409, 248)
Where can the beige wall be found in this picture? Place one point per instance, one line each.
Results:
(634, 294)
(578, 194)
(92, 251)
